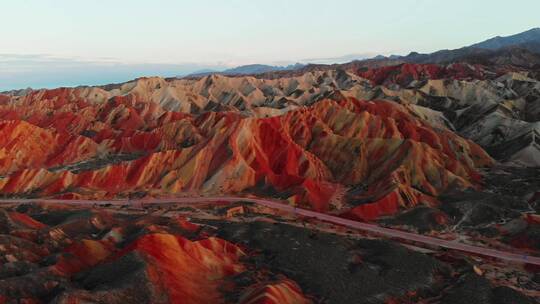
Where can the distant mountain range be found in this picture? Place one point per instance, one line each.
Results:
(249, 70)
(524, 38)
(521, 49)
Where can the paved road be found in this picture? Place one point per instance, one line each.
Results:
(372, 228)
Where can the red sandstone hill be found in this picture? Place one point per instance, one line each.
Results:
(146, 259)
(496, 106)
(404, 74)
(73, 143)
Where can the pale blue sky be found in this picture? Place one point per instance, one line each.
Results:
(89, 42)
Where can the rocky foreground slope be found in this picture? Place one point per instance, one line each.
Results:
(228, 254)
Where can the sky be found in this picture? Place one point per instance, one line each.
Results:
(49, 43)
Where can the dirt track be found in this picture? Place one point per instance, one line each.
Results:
(372, 228)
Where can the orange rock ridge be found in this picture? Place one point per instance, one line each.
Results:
(311, 153)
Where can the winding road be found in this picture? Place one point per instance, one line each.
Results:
(280, 205)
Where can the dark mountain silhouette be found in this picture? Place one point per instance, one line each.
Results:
(524, 38)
